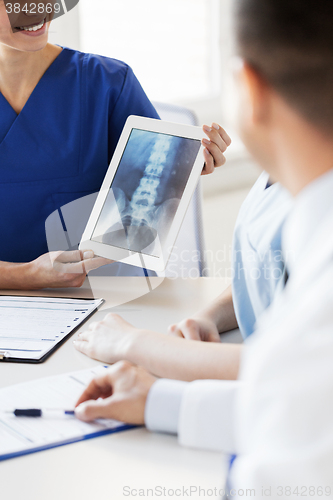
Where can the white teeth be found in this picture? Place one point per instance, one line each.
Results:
(33, 28)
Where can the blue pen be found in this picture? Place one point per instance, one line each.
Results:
(38, 412)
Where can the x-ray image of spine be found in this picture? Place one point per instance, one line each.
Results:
(138, 223)
(146, 191)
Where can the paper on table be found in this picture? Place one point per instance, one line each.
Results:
(22, 435)
(32, 326)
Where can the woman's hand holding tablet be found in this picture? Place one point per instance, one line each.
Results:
(63, 269)
(217, 143)
(51, 270)
(147, 189)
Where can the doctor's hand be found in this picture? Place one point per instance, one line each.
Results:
(108, 340)
(119, 394)
(62, 269)
(216, 143)
(196, 328)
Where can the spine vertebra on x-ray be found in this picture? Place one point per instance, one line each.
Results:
(138, 232)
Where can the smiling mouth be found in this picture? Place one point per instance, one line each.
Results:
(32, 27)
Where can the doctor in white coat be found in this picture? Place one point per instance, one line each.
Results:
(278, 417)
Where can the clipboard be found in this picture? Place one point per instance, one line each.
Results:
(23, 435)
(21, 316)
(121, 428)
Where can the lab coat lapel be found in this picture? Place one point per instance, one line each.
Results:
(310, 267)
(317, 256)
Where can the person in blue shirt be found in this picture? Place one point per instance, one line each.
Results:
(258, 264)
(61, 115)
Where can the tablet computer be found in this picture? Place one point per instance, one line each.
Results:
(146, 192)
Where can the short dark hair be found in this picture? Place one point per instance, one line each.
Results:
(290, 43)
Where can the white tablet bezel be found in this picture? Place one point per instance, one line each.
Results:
(134, 258)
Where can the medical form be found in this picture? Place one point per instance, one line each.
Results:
(31, 328)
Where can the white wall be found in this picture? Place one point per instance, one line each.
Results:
(66, 30)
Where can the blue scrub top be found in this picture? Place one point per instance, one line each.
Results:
(59, 147)
(258, 264)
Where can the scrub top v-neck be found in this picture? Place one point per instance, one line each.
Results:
(258, 266)
(60, 145)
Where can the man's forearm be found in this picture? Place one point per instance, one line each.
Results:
(222, 312)
(176, 358)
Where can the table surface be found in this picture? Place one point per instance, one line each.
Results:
(111, 466)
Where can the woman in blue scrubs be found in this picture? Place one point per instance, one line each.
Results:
(61, 115)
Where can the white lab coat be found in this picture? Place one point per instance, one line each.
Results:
(279, 417)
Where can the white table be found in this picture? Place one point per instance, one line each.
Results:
(102, 467)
